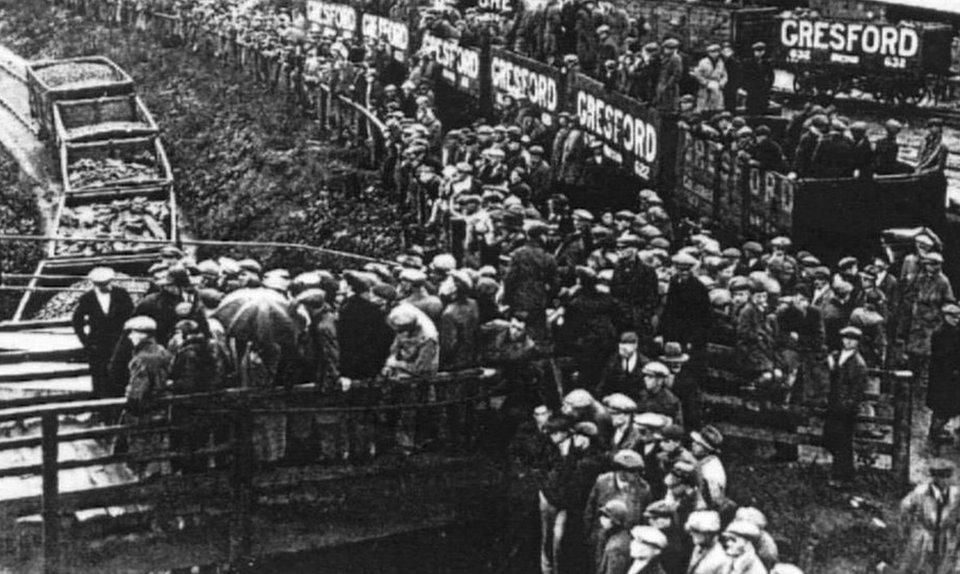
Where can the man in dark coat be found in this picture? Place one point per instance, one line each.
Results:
(768, 152)
(861, 154)
(734, 77)
(590, 323)
(530, 283)
(459, 325)
(686, 313)
(943, 386)
(175, 288)
(887, 153)
(833, 156)
(365, 337)
(634, 286)
(848, 380)
(623, 372)
(98, 322)
(757, 80)
(807, 146)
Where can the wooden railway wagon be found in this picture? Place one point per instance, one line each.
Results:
(830, 217)
(78, 121)
(699, 24)
(147, 153)
(894, 62)
(72, 79)
(150, 214)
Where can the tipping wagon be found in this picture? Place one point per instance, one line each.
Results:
(117, 167)
(50, 81)
(112, 117)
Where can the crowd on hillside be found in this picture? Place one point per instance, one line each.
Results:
(504, 269)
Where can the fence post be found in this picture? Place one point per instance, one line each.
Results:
(50, 448)
(902, 424)
(241, 485)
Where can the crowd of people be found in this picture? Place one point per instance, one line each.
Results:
(504, 269)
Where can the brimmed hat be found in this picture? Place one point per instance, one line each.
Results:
(709, 436)
(673, 353)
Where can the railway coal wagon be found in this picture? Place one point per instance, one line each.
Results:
(894, 62)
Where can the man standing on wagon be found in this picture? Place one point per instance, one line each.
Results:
(757, 80)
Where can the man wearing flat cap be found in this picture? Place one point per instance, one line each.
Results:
(622, 483)
(922, 300)
(635, 287)
(930, 516)
(149, 369)
(739, 541)
(848, 382)
(362, 330)
(175, 288)
(98, 322)
(711, 74)
(646, 550)
(943, 386)
(670, 73)
(708, 556)
(686, 312)
(933, 154)
(531, 281)
(887, 151)
(591, 323)
(758, 78)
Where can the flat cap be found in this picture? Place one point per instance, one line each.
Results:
(413, 276)
(444, 262)
(628, 459)
(628, 240)
(752, 514)
(781, 241)
(933, 257)
(851, 332)
(402, 315)
(101, 275)
(950, 308)
(847, 262)
(704, 521)
(759, 45)
(586, 428)
(250, 265)
(709, 436)
(617, 511)
(620, 403)
(650, 420)
(650, 536)
(582, 214)
(743, 529)
(684, 259)
(752, 247)
(140, 323)
(578, 398)
(359, 281)
(671, 43)
(656, 368)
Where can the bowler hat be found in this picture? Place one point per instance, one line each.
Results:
(673, 353)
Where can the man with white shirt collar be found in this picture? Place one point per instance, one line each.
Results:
(848, 380)
(98, 322)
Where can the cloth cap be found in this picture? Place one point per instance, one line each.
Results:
(753, 515)
(713, 48)
(731, 253)
(671, 43)
(847, 262)
(462, 279)
(743, 529)
(629, 337)
(210, 297)
(704, 521)
(582, 214)
(444, 261)
(141, 323)
(660, 243)
(759, 45)
(672, 432)
(229, 266)
(656, 368)
(628, 459)
(650, 536)
(781, 241)
(950, 308)
(620, 403)
(208, 267)
(402, 315)
(851, 333)
(933, 257)
(250, 265)
(650, 420)
(684, 259)
(650, 231)
(586, 428)
(752, 247)
(628, 240)
(413, 276)
(578, 399)
(683, 469)
(784, 568)
(359, 281)
(101, 275)
(625, 214)
(709, 436)
(720, 297)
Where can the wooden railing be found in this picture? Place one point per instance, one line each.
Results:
(380, 418)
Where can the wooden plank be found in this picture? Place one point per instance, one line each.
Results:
(51, 494)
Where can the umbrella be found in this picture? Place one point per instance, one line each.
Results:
(260, 315)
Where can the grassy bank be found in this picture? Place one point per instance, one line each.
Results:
(241, 157)
(19, 214)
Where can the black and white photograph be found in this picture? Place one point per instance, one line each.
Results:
(479, 286)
